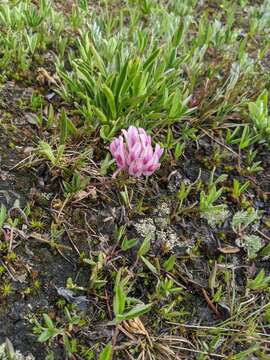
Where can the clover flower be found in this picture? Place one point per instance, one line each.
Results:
(134, 154)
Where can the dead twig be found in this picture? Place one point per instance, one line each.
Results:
(210, 303)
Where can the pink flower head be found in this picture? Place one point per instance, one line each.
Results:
(134, 153)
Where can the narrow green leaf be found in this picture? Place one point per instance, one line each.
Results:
(71, 128)
(151, 59)
(45, 149)
(128, 244)
(119, 300)
(137, 311)
(150, 266)
(60, 152)
(265, 251)
(169, 263)
(10, 352)
(178, 34)
(98, 59)
(3, 215)
(63, 127)
(107, 352)
(175, 107)
(101, 116)
(121, 80)
(45, 335)
(119, 296)
(110, 99)
(48, 321)
(145, 246)
(50, 117)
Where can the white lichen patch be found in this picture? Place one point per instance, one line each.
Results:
(146, 227)
(15, 355)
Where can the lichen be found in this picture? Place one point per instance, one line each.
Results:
(14, 355)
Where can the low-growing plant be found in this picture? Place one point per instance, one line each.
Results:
(126, 308)
(239, 189)
(209, 210)
(258, 112)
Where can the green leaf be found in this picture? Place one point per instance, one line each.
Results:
(66, 127)
(48, 321)
(151, 59)
(110, 99)
(71, 128)
(145, 246)
(243, 355)
(10, 352)
(169, 263)
(265, 251)
(128, 244)
(101, 116)
(149, 265)
(121, 80)
(253, 244)
(45, 335)
(107, 352)
(63, 127)
(179, 150)
(119, 299)
(263, 102)
(45, 149)
(50, 117)
(260, 282)
(178, 34)
(137, 311)
(98, 60)
(3, 215)
(176, 108)
(60, 152)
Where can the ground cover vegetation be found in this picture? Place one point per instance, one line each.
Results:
(174, 265)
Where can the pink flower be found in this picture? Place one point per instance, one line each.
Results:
(119, 152)
(134, 153)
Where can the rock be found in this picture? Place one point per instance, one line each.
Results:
(174, 181)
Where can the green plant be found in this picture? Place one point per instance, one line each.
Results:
(96, 280)
(213, 213)
(106, 353)
(126, 244)
(165, 288)
(112, 86)
(54, 156)
(242, 219)
(258, 112)
(49, 331)
(239, 189)
(75, 185)
(260, 282)
(121, 303)
(3, 215)
(6, 289)
(252, 165)
(169, 263)
(182, 195)
(240, 223)
(243, 136)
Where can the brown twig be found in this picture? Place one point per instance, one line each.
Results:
(219, 142)
(210, 303)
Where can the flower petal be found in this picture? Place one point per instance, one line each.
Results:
(136, 168)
